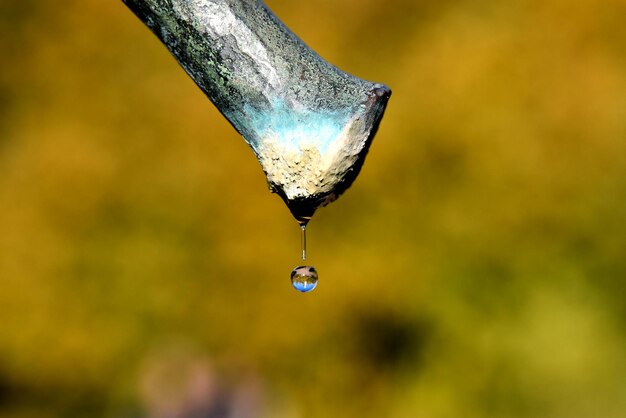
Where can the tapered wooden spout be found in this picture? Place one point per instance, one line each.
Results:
(309, 123)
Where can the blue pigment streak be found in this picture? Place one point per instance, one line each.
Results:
(295, 128)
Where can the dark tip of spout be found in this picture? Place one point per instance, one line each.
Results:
(304, 208)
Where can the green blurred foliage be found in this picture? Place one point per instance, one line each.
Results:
(477, 267)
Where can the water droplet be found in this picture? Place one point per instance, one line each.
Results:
(304, 278)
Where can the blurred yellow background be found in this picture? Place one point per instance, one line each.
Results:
(476, 268)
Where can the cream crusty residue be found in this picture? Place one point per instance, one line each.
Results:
(303, 170)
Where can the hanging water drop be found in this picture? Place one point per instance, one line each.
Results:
(304, 278)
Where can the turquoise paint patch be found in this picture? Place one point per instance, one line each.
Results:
(296, 128)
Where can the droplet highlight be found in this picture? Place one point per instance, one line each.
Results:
(304, 278)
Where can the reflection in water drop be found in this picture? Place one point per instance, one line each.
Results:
(304, 278)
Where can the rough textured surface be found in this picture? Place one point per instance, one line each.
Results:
(309, 123)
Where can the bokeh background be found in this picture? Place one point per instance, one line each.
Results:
(476, 268)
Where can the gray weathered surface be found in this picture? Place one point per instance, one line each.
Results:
(309, 123)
